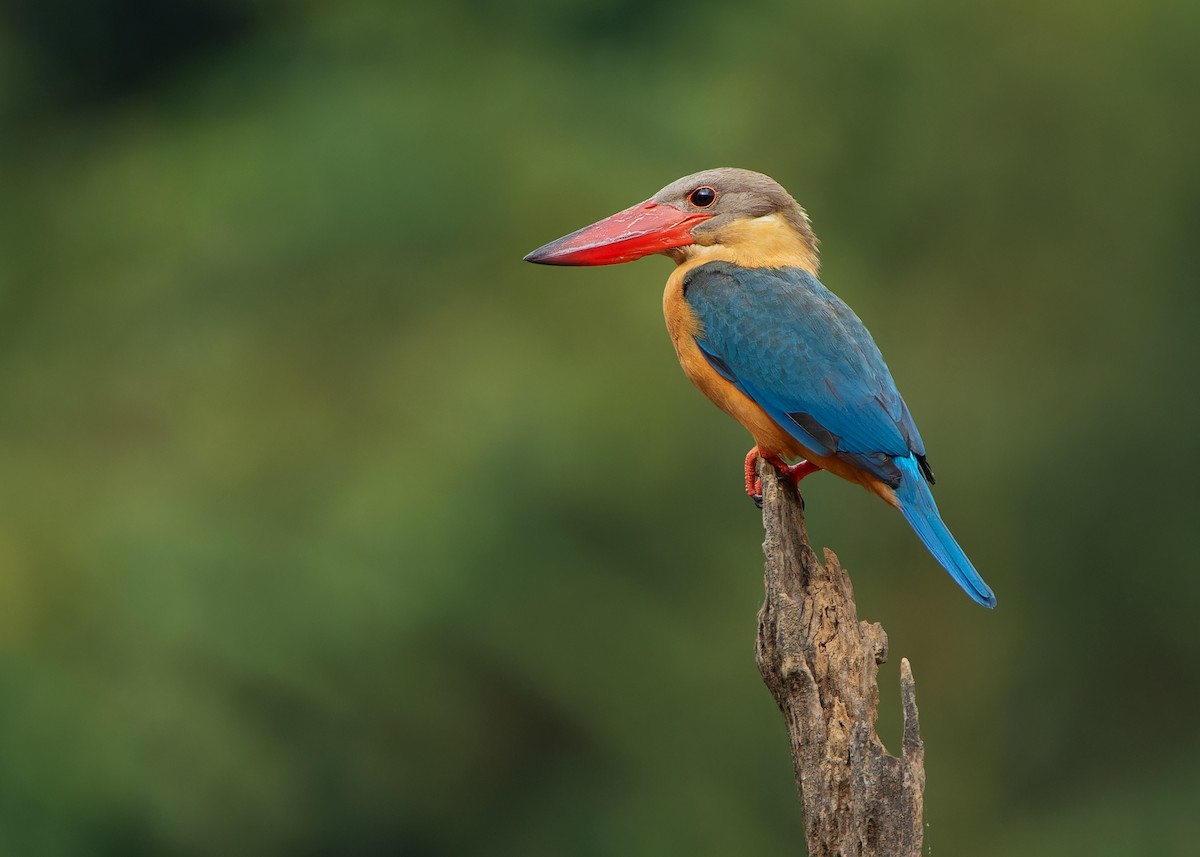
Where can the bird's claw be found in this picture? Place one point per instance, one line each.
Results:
(753, 484)
(793, 472)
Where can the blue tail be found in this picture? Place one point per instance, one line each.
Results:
(916, 502)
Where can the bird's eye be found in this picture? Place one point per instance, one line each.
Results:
(702, 197)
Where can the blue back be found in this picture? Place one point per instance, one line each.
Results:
(806, 359)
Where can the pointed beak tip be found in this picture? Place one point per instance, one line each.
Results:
(540, 256)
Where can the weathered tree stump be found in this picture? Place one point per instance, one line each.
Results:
(820, 663)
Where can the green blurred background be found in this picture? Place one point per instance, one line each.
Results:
(328, 526)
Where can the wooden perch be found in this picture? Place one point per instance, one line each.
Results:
(820, 663)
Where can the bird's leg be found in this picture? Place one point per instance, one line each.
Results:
(794, 472)
(799, 470)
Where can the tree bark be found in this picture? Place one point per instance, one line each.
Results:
(820, 663)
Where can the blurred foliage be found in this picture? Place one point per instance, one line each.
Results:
(327, 526)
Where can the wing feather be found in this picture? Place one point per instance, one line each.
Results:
(805, 358)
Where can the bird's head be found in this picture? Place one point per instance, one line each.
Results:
(735, 215)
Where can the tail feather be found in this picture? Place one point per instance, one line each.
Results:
(918, 508)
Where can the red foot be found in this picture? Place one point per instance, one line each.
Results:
(753, 485)
(794, 472)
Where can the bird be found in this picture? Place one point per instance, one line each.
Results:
(759, 334)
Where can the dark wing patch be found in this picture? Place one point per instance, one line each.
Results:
(809, 423)
(926, 470)
(717, 363)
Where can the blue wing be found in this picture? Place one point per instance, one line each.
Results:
(797, 350)
(806, 359)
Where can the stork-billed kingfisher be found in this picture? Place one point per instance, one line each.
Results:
(760, 335)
